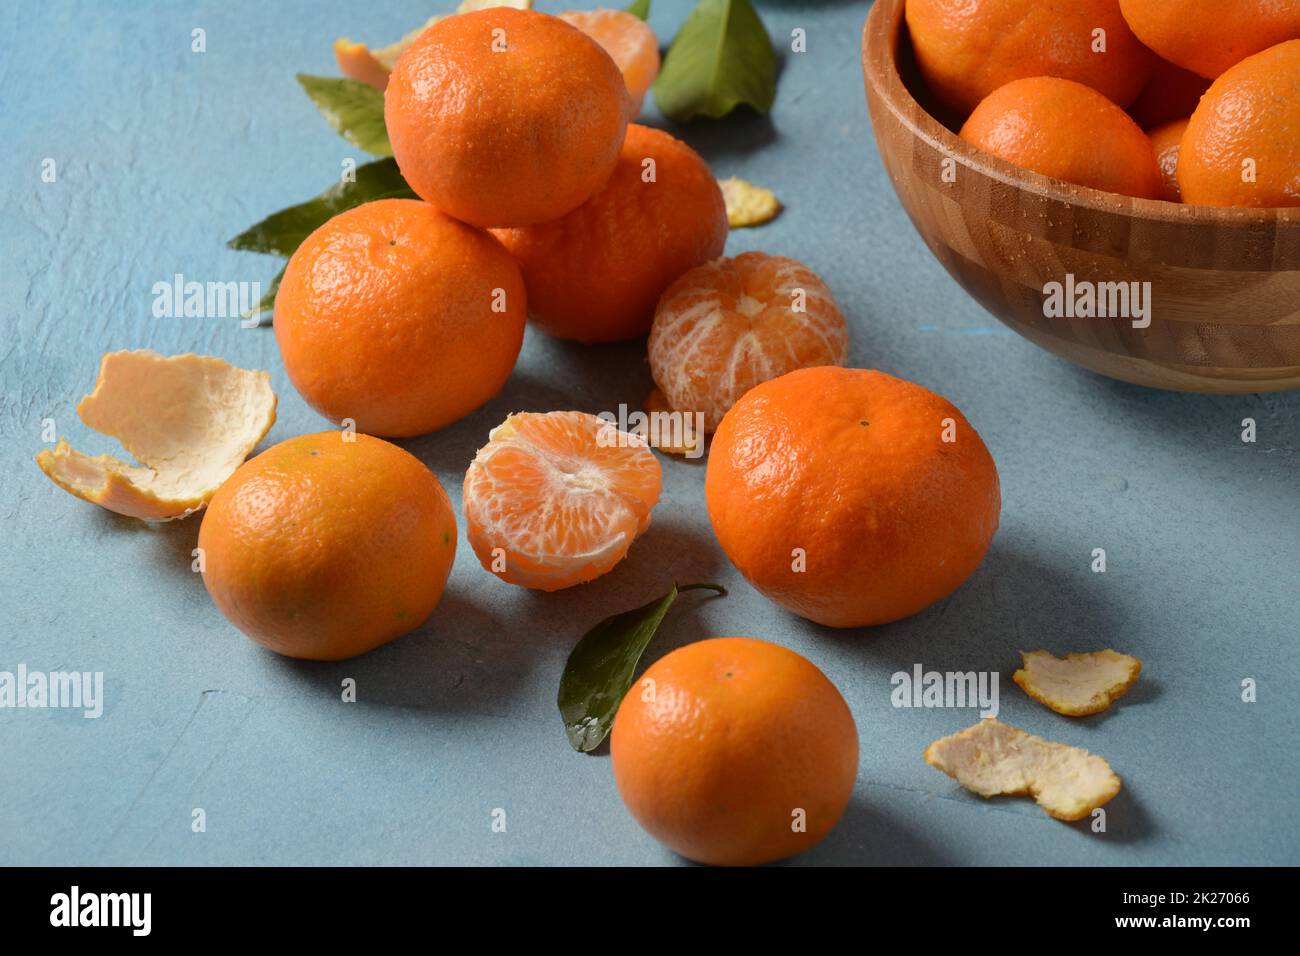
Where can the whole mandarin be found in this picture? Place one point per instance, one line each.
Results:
(505, 117)
(969, 48)
(596, 274)
(735, 752)
(1209, 36)
(851, 497)
(1242, 145)
(326, 546)
(1068, 131)
(399, 318)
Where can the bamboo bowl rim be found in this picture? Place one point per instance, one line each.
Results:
(882, 35)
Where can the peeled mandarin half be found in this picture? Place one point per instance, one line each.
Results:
(556, 499)
(190, 420)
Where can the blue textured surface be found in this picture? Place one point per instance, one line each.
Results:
(163, 154)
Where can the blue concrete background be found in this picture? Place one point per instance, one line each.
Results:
(163, 154)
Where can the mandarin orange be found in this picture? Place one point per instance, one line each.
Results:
(326, 546)
(735, 751)
(399, 318)
(1067, 131)
(505, 117)
(969, 48)
(1208, 36)
(596, 274)
(1242, 145)
(851, 497)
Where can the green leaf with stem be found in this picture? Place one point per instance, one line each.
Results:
(282, 232)
(602, 665)
(639, 8)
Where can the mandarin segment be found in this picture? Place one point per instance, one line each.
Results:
(1068, 131)
(505, 117)
(745, 753)
(851, 497)
(596, 274)
(328, 545)
(730, 324)
(556, 499)
(399, 318)
(969, 48)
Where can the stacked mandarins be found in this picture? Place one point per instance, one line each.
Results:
(402, 316)
(1211, 90)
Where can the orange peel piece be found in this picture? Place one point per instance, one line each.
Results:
(190, 420)
(748, 205)
(1078, 684)
(657, 402)
(358, 62)
(994, 759)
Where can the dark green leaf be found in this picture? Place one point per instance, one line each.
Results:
(720, 58)
(639, 8)
(601, 668)
(355, 110)
(282, 232)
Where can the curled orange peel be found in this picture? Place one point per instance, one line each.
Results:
(190, 420)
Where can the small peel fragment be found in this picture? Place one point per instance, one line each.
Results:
(994, 759)
(358, 62)
(748, 205)
(190, 420)
(657, 402)
(1078, 684)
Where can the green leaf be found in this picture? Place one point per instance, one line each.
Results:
(355, 110)
(720, 58)
(601, 668)
(282, 232)
(638, 8)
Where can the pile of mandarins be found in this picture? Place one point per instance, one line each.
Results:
(1211, 89)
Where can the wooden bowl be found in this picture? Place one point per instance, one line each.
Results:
(1224, 283)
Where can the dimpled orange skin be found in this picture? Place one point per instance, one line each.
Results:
(849, 466)
(505, 137)
(1067, 131)
(738, 735)
(386, 316)
(1252, 112)
(1209, 36)
(969, 48)
(596, 275)
(1167, 141)
(323, 548)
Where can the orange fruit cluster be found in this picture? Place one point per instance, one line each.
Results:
(847, 496)
(1045, 86)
